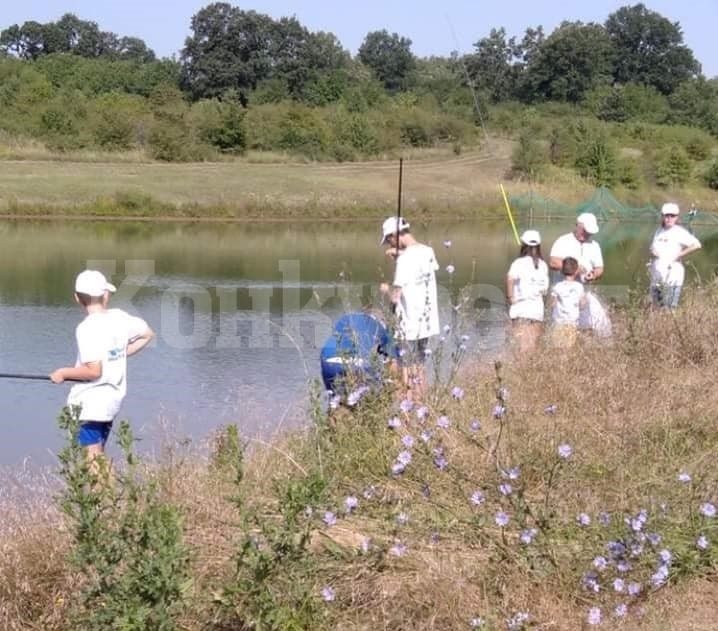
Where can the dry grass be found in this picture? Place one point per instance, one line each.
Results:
(636, 412)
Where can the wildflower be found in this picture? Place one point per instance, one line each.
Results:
(702, 542)
(623, 567)
(590, 582)
(527, 536)
(708, 509)
(369, 492)
(583, 519)
(502, 519)
(475, 425)
(406, 405)
(594, 616)
(398, 549)
(447, 243)
(397, 468)
(604, 518)
(517, 621)
(551, 409)
(619, 585)
(660, 576)
(457, 393)
(328, 594)
(477, 498)
(329, 518)
(308, 511)
(394, 422)
(665, 556)
(512, 474)
(505, 489)
(565, 451)
(450, 269)
(422, 412)
(621, 610)
(407, 441)
(443, 421)
(600, 563)
(502, 394)
(425, 490)
(402, 518)
(634, 589)
(365, 544)
(498, 411)
(654, 538)
(684, 477)
(404, 457)
(616, 548)
(350, 503)
(434, 538)
(636, 549)
(441, 463)
(426, 435)
(356, 395)
(475, 623)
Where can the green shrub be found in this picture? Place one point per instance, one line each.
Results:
(220, 124)
(303, 130)
(529, 158)
(597, 160)
(711, 175)
(673, 167)
(699, 147)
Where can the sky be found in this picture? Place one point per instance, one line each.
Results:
(435, 28)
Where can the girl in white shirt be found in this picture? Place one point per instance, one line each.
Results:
(670, 244)
(526, 285)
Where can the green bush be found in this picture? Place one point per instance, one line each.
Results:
(529, 158)
(220, 124)
(673, 167)
(711, 175)
(597, 160)
(303, 130)
(698, 147)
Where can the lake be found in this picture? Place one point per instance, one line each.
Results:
(240, 311)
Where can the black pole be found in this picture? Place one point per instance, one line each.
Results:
(398, 204)
(14, 375)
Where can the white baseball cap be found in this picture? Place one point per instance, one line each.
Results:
(670, 209)
(531, 237)
(588, 221)
(390, 227)
(93, 283)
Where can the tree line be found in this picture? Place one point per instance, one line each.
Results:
(244, 80)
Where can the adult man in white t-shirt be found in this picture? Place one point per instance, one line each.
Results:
(580, 245)
(670, 244)
(414, 297)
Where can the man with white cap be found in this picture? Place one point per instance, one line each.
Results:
(105, 339)
(579, 244)
(413, 295)
(671, 242)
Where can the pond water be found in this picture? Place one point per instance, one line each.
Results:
(240, 311)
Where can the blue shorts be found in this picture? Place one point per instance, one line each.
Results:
(338, 377)
(93, 433)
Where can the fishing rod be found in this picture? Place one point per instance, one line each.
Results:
(15, 375)
(398, 205)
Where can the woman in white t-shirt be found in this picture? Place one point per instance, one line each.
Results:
(526, 286)
(670, 244)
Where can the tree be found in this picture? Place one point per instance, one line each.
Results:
(390, 57)
(575, 58)
(493, 67)
(695, 102)
(649, 49)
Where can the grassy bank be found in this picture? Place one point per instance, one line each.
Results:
(535, 496)
(434, 184)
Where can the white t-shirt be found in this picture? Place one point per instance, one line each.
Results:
(104, 337)
(587, 253)
(417, 311)
(530, 285)
(667, 244)
(567, 307)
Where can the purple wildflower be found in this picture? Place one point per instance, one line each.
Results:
(517, 621)
(619, 585)
(604, 518)
(475, 623)
(600, 563)
(634, 589)
(398, 549)
(406, 405)
(477, 498)
(328, 594)
(616, 548)
(457, 393)
(623, 567)
(402, 518)
(665, 556)
(551, 409)
(621, 610)
(565, 451)
(512, 474)
(505, 489)
(441, 462)
(425, 490)
(407, 441)
(369, 492)
(654, 538)
(660, 576)
(498, 411)
(708, 509)
(356, 395)
(590, 582)
(594, 616)
(397, 468)
(583, 519)
(684, 477)
(527, 536)
(475, 425)
(434, 538)
(350, 503)
(502, 519)
(443, 422)
(422, 412)
(426, 435)
(404, 457)
(502, 394)
(702, 542)
(394, 422)
(329, 518)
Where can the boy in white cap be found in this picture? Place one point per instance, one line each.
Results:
(579, 244)
(526, 285)
(671, 242)
(105, 339)
(413, 295)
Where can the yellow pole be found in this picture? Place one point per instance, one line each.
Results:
(511, 217)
